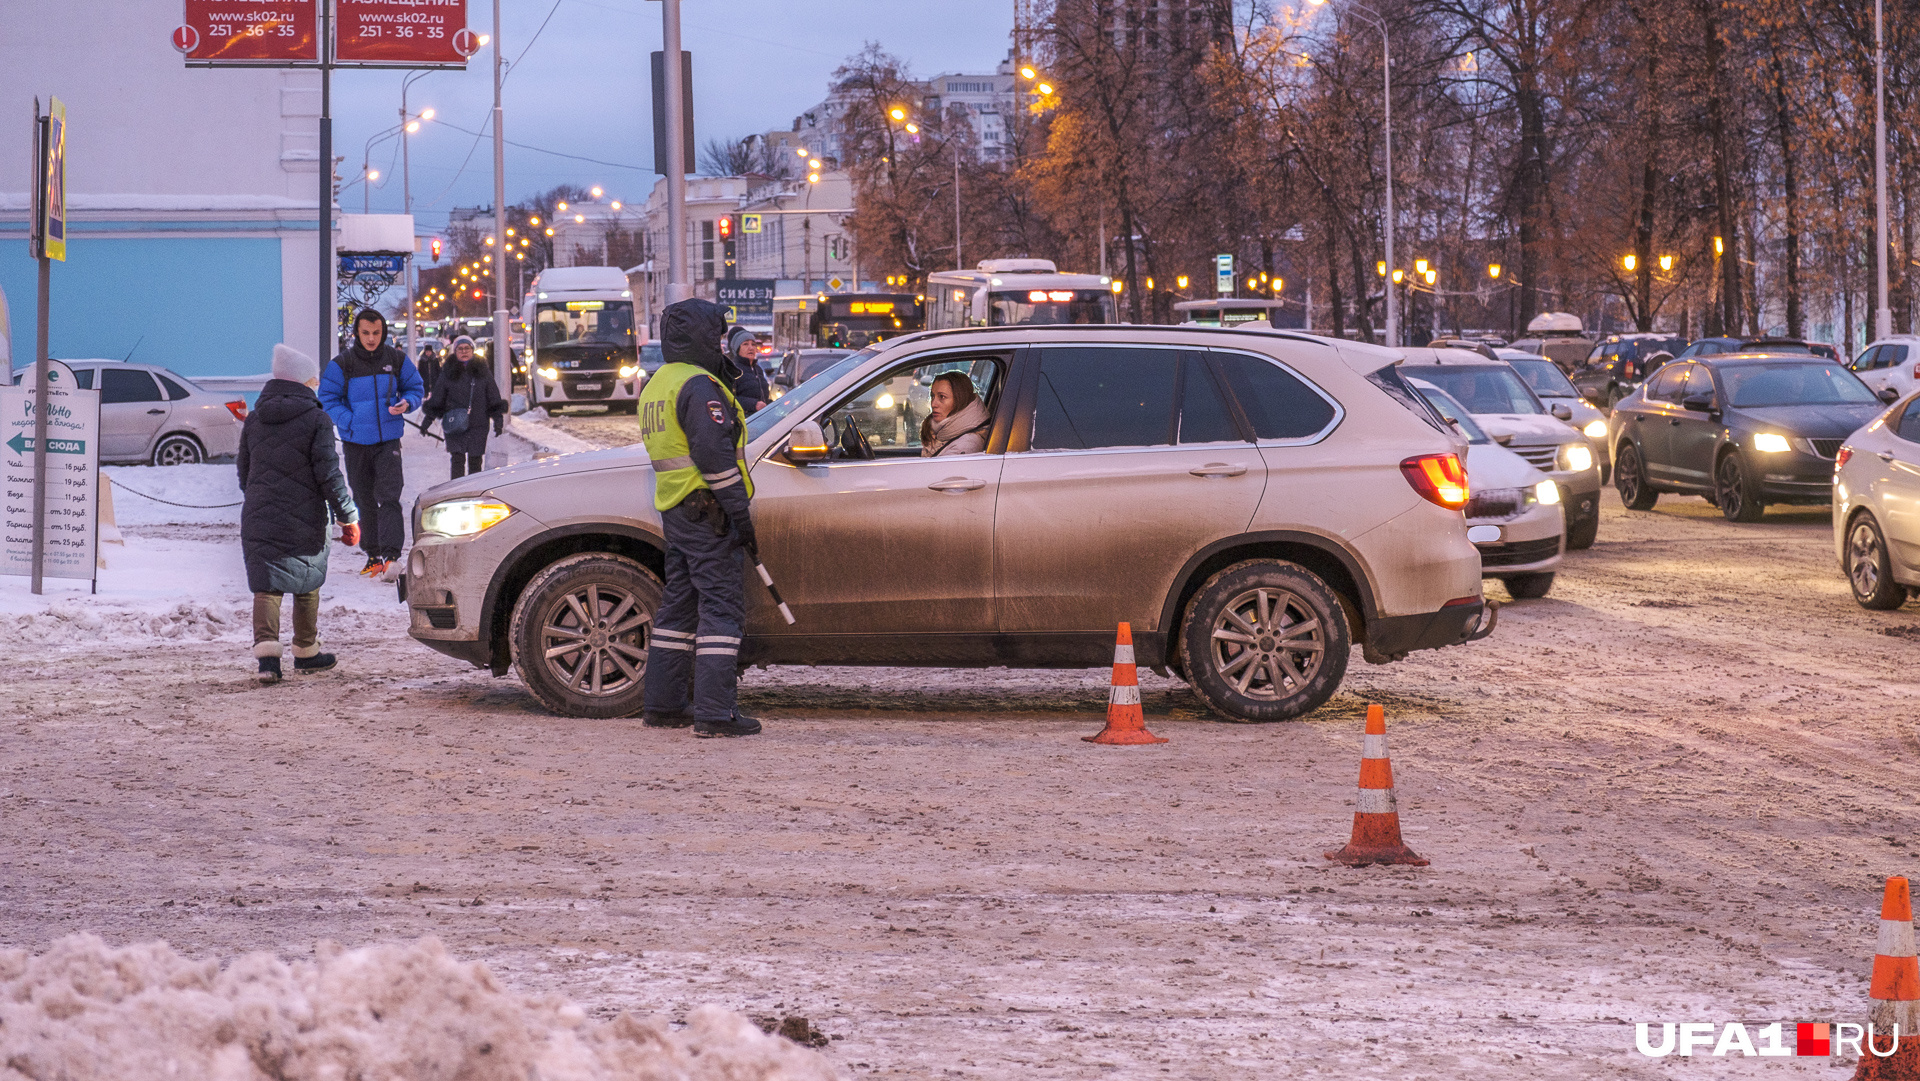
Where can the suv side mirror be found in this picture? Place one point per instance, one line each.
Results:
(807, 443)
(1562, 412)
(1698, 403)
(1888, 395)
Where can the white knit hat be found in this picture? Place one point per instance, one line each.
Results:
(293, 365)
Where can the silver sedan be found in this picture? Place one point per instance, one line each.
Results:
(149, 414)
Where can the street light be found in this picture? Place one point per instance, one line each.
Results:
(1493, 271)
(1629, 261)
(1386, 82)
(1666, 263)
(1181, 281)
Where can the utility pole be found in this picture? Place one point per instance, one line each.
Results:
(1882, 315)
(502, 332)
(677, 287)
(329, 335)
(42, 152)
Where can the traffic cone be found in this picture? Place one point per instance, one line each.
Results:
(1126, 725)
(1896, 994)
(1376, 818)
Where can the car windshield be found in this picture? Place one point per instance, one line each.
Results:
(784, 406)
(1482, 388)
(812, 364)
(1545, 377)
(1758, 385)
(1452, 411)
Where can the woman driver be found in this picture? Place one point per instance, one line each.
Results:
(958, 424)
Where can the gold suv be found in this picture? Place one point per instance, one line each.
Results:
(1254, 503)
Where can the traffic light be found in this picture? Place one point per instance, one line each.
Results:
(436, 249)
(725, 225)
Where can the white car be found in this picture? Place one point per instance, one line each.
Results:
(1876, 507)
(1514, 515)
(149, 414)
(1555, 389)
(1890, 362)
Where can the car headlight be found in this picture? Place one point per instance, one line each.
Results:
(627, 370)
(1576, 456)
(1595, 429)
(1546, 492)
(463, 517)
(1770, 443)
(549, 373)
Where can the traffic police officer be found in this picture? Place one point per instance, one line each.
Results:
(696, 434)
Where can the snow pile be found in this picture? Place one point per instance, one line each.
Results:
(398, 1012)
(139, 489)
(69, 621)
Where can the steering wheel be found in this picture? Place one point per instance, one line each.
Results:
(853, 444)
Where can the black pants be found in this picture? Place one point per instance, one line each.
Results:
(373, 472)
(695, 642)
(465, 463)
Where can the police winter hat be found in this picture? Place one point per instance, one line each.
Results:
(690, 333)
(293, 365)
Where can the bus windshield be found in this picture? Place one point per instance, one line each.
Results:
(1030, 306)
(595, 322)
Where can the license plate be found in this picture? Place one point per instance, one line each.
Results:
(586, 386)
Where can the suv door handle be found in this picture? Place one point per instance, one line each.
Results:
(1218, 469)
(958, 484)
(1886, 456)
(155, 412)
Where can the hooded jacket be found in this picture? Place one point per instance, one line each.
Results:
(291, 479)
(470, 386)
(359, 385)
(691, 333)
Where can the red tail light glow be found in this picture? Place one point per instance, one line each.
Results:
(1439, 478)
(238, 409)
(1841, 458)
(1626, 371)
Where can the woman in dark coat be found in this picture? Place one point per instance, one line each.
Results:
(291, 479)
(466, 385)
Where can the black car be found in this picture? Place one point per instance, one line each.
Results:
(1743, 429)
(1708, 347)
(1621, 363)
(800, 365)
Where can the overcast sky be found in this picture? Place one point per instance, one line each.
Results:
(582, 87)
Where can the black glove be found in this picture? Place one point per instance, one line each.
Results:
(499, 425)
(743, 535)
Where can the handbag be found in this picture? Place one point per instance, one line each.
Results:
(456, 420)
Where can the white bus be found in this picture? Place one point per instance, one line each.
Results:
(1016, 292)
(1229, 311)
(580, 339)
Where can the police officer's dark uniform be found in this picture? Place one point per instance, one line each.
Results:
(695, 432)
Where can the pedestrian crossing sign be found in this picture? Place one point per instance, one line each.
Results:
(749, 223)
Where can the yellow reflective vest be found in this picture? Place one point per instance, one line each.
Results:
(675, 477)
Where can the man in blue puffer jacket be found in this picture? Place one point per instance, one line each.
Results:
(368, 390)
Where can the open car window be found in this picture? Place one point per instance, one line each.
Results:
(885, 415)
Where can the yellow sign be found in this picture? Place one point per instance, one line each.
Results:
(585, 305)
(749, 223)
(53, 185)
(835, 283)
(870, 307)
(732, 316)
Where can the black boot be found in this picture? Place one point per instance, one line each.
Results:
(319, 662)
(667, 719)
(269, 670)
(738, 725)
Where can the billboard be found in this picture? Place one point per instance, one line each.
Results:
(401, 33)
(271, 32)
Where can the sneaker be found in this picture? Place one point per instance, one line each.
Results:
(667, 719)
(738, 725)
(373, 567)
(319, 662)
(269, 670)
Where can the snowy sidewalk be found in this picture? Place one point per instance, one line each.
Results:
(179, 573)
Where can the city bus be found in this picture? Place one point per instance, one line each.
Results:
(1231, 311)
(857, 320)
(1016, 292)
(581, 341)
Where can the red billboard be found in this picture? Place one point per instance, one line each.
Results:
(401, 33)
(250, 32)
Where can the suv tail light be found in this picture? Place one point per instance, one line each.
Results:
(1439, 478)
(1841, 458)
(1626, 370)
(238, 409)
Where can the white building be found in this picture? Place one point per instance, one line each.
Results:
(193, 237)
(990, 102)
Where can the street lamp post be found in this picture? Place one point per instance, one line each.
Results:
(408, 125)
(1882, 315)
(1386, 80)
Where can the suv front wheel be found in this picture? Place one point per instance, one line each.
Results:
(1265, 640)
(579, 635)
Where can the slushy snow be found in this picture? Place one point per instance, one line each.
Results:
(86, 1011)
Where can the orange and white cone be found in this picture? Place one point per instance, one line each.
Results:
(1376, 816)
(1126, 724)
(1896, 994)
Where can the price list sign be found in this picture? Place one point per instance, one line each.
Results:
(73, 478)
(250, 32)
(402, 33)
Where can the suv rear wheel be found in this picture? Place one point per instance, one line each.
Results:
(1869, 571)
(1265, 640)
(1630, 479)
(579, 635)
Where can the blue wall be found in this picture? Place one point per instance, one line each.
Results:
(198, 305)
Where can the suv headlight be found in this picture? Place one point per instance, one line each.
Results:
(463, 517)
(1771, 443)
(1576, 457)
(1595, 429)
